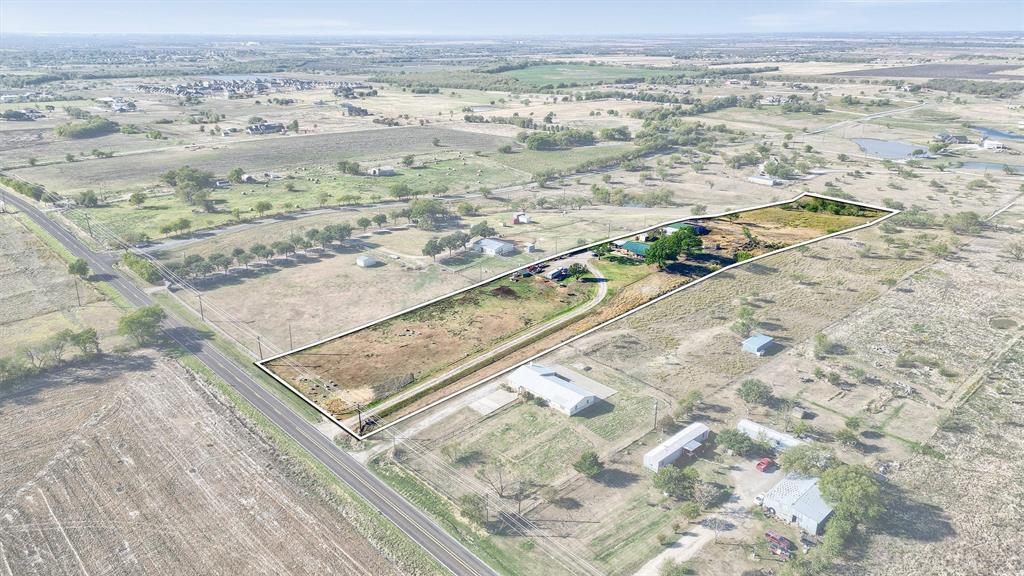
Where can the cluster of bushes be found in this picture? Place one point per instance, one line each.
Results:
(91, 128)
(560, 140)
(516, 120)
(833, 207)
(997, 89)
(49, 353)
(619, 197)
(21, 187)
(141, 267)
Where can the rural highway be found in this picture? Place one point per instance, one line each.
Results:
(392, 507)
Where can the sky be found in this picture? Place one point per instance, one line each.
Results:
(479, 18)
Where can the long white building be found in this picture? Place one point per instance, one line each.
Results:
(555, 385)
(688, 441)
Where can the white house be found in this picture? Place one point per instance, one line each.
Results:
(559, 386)
(687, 441)
(989, 144)
(762, 180)
(796, 499)
(520, 218)
(761, 433)
(382, 171)
(494, 247)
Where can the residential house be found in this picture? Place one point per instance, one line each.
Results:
(687, 441)
(779, 441)
(382, 171)
(796, 499)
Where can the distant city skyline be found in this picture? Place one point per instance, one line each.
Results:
(428, 18)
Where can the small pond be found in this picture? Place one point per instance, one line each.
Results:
(889, 149)
(993, 133)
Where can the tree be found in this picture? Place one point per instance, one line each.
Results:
(753, 391)
(282, 247)
(137, 199)
(349, 167)
(79, 268)
(810, 459)
(220, 261)
(400, 190)
(578, 269)
(965, 223)
(738, 442)
(675, 482)
(432, 248)
(380, 219)
(661, 251)
(141, 324)
(322, 198)
(853, 492)
(188, 184)
(88, 199)
(588, 464)
(474, 508)
(364, 223)
(482, 229)
(408, 160)
(87, 341)
(235, 175)
(847, 436)
(260, 251)
(293, 126)
(262, 207)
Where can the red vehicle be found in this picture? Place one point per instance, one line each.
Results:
(780, 541)
(765, 464)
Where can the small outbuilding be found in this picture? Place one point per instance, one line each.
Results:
(365, 261)
(699, 229)
(494, 247)
(796, 499)
(763, 180)
(520, 218)
(382, 171)
(758, 344)
(687, 441)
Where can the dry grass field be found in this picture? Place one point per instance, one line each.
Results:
(39, 297)
(132, 466)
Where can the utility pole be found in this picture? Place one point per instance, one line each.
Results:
(290, 344)
(201, 315)
(77, 294)
(88, 222)
(655, 413)
(260, 346)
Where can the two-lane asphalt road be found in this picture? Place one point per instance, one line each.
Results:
(388, 503)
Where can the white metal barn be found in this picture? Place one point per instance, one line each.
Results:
(494, 247)
(687, 441)
(554, 386)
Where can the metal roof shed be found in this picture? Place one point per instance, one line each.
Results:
(757, 344)
(797, 499)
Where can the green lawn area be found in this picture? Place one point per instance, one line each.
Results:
(820, 221)
(628, 412)
(621, 271)
(578, 73)
(631, 539)
(535, 161)
(41, 106)
(456, 175)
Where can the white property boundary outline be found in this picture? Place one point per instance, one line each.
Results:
(261, 363)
